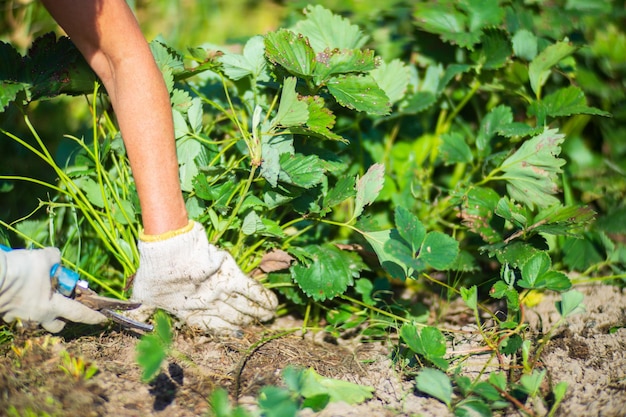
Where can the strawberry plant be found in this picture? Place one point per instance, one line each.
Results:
(474, 145)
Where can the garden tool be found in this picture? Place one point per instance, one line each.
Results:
(68, 283)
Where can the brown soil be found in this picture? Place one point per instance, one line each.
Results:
(589, 352)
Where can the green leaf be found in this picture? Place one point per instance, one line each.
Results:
(419, 102)
(389, 260)
(482, 13)
(472, 407)
(313, 384)
(291, 51)
(334, 62)
(533, 270)
(341, 191)
(153, 348)
(252, 224)
(393, 78)
(525, 44)
(166, 57)
(519, 129)
(277, 402)
(321, 120)
(532, 170)
(495, 50)
(497, 118)
(540, 67)
(565, 102)
(251, 63)
(291, 111)
(11, 65)
(410, 228)
(436, 384)
(470, 296)
(326, 30)
(462, 26)
(512, 212)
(303, 171)
(272, 147)
(439, 250)
(571, 303)
(359, 92)
(556, 281)
(516, 253)
(368, 187)
(428, 342)
(454, 149)
(9, 92)
(532, 383)
(221, 407)
(92, 190)
(477, 209)
(328, 273)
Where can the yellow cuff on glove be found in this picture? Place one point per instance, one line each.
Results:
(167, 235)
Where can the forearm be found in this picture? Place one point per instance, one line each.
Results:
(107, 34)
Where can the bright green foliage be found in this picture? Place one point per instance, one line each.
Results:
(306, 389)
(531, 172)
(570, 304)
(435, 383)
(466, 142)
(541, 66)
(327, 271)
(427, 342)
(153, 348)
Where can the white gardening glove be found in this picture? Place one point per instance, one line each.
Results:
(26, 291)
(182, 273)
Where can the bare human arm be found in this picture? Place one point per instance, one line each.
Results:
(108, 35)
(179, 271)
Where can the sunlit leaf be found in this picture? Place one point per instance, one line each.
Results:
(334, 62)
(540, 67)
(325, 29)
(393, 78)
(320, 122)
(571, 303)
(428, 342)
(360, 93)
(436, 384)
(314, 384)
(154, 347)
(328, 273)
(277, 402)
(291, 111)
(532, 171)
(303, 171)
(368, 187)
(410, 228)
(439, 250)
(454, 149)
(291, 51)
(272, 147)
(565, 102)
(251, 62)
(525, 44)
(379, 241)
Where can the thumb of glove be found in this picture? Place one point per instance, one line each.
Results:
(72, 310)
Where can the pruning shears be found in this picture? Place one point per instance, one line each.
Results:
(68, 283)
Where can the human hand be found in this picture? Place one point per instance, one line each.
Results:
(26, 291)
(198, 283)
